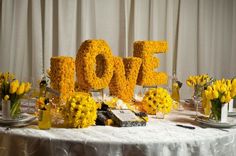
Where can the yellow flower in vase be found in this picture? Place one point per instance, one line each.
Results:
(6, 97)
(27, 87)
(14, 86)
(219, 93)
(21, 89)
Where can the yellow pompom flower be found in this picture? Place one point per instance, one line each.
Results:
(80, 111)
(21, 89)
(157, 100)
(14, 86)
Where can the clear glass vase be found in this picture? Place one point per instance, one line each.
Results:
(197, 98)
(10, 109)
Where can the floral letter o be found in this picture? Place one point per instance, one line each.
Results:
(94, 65)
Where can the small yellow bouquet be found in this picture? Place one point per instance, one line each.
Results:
(80, 110)
(157, 100)
(198, 82)
(11, 91)
(220, 93)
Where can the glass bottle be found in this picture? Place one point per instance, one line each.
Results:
(44, 120)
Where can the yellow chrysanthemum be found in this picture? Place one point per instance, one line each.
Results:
(157, 100)
(80, 111)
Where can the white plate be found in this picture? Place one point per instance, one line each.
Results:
(211, 123)
(232, 114)
(23, 119)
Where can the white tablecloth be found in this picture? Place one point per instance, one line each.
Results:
(159, 137)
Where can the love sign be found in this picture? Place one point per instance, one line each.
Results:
(97, 68)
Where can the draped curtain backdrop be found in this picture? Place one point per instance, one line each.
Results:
(32, 31)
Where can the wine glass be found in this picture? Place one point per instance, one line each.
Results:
(197, 97)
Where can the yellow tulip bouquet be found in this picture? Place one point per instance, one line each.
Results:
(219, 93)
(12, 90)
(198, 82)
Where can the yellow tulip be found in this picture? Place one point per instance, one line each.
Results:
(215, 94)
(189, 84)
(21, 89)
(208, 94)
(223, 89)
(234, 83)
(6, 97)
(222, 100)
(14, 86)
(209, 88)
(27, 87)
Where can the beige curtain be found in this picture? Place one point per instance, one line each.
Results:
(31, 31)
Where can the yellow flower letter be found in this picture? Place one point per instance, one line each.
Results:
(145, 50)
(124, 77)
(62, 75)
(94, 65)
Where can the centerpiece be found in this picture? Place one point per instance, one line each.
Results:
(219, 94)
(157, 102)
(11, 91)
(198, 83)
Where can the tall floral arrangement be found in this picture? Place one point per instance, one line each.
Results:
(12, 90)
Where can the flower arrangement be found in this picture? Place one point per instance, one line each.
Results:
(80, 110)
(124, 78)
(91, 53)
(157, 100)
(12, 90)
(62, 76)
(220, 93)
(145, 50)
(199, 82)
(233, 88)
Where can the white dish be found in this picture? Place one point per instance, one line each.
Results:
(23, 119)
(232, 114)
(212, 123)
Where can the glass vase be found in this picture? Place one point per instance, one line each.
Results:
(10, 109)
(219, 111)
(160, 115)
(197, 98)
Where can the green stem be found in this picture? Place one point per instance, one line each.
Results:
(15, 105)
